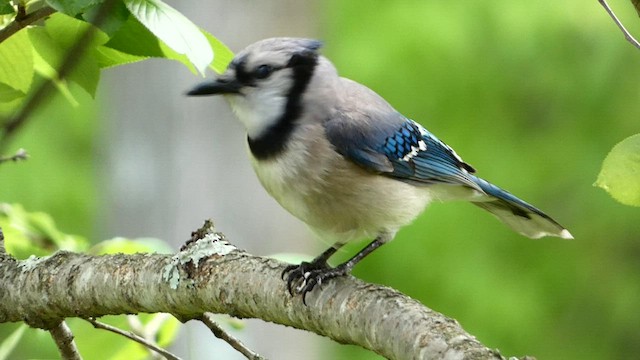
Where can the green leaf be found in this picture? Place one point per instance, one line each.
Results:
(135, 39)
(34, 233)
(52, 44)
(72, 7)
(16, 57)
(8, 344)
(6, 8)
(67, 31)
(620, 174)
(223, 55)
(46, 56)
(174, 29)
(8, 94)
(47, 53)
(108, 57)
(113, 20)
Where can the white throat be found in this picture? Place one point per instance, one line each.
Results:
(258, 110)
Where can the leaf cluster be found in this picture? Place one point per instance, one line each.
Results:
(29, 234)
(122, 32)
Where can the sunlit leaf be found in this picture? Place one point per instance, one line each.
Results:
(52, 44)
(135, 39)
(47, 53)
(16, 58)
(174, 29)
(620, 174)
(223, 55)
(67, 31)
(46, 57)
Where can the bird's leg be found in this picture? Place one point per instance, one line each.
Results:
(311, 274)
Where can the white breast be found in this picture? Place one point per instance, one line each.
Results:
(336, 198)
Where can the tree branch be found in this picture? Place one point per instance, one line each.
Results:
(63, 338)
(21, 22)
(210, 275)
(219, 332)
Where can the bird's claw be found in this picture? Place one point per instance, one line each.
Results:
(304, 277)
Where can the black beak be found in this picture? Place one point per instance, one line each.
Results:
(219, 86)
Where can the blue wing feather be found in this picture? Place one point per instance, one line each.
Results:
(402, 149)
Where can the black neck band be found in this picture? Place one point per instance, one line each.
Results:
(274, 140)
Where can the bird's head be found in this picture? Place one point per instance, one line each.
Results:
(266, 81)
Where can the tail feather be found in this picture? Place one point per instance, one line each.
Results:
(518, 214)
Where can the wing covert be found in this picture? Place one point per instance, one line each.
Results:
(400, 148)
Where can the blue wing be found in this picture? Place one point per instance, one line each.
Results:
(403, 149)
(399, 148)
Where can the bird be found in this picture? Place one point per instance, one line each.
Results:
(339, 157)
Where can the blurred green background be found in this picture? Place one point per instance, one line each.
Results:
(532, 94)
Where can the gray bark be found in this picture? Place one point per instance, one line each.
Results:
(212, 276)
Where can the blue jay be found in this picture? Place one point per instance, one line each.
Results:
(336, 155)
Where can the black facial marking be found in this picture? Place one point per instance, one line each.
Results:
(242, 74)
(274, 139)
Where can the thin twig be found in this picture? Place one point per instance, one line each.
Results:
(139, 339)
(21, 154)
(207, 319)
(63, 338)
(68, 64)
(21, 22)
(148, 331)
(626, 33)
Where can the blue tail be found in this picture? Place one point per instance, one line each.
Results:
(518, 214)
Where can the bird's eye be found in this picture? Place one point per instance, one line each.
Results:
(263, 71)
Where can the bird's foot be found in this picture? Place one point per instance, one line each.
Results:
(304, 277)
